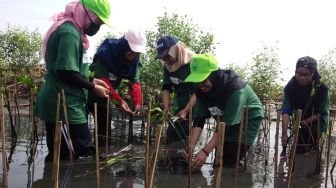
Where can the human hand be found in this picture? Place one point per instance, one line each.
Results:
(182, 115)
(165, 112)
(100, 83)
(199, 160)
(303, 123)
(124, 107)
(137, 110)
(101, 91)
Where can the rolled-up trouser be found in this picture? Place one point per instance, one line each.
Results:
(80, 137)
(230, 152)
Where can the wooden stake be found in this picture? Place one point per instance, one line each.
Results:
(189, 146)
(97, 146)
(58, 107)
(155, 153)
(147, 144)
(276, 153)
(293, 149)
(318, 158)
(219, 153)
(242, 119)
(165, 136)
(3, 145)
(32, 99)
(70, 146)
(328, 153)
(56, 157)
(107, 126)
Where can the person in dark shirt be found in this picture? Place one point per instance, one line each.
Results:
(222, 93)
(305, 91)
(176, 57)
(115, 61)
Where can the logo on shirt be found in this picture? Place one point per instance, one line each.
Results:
(175, 80)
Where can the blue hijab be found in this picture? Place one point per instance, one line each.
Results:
(112, 55)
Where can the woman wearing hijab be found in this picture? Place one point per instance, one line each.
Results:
(62, 49)
(222, 92)
(176, 57)
(117, 60)
(305, 91)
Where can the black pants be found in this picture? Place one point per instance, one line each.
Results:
(230, 152)
(80, 137)
(177, 131)
(101, 118)
(306, 141)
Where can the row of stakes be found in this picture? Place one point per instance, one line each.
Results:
(150, 161)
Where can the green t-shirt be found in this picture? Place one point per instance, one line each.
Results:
(231, 112)
(183, 90)
(64, 52)
(99, 71)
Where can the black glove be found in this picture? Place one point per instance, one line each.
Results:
(283, 153)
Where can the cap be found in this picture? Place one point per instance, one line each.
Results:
(307, 62)
(100, 7)
(163, 45)
(136, 40)
(201, 66)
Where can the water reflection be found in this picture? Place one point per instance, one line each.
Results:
(129, 170)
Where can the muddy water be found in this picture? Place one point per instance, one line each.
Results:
(128, 170)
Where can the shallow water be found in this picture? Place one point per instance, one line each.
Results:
(129, 170)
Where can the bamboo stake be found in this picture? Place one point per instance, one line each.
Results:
(318, 160)
(107, 126)
(276, 153)
(293, 149)
(97, 147)
(165, 136)
(3, 145)
(58, 106)
(216, 123)
(242, 119)
(147, 144)
(56, 156)
(70, 146)
(328, 153)
(219, 154)
(266, 136)
(155, 154)
(189, 146)
(33, 132)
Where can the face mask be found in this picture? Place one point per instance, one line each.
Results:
(92, 29)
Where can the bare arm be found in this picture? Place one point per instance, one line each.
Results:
(166, 99)
(309, 120)
(195, 134)
(183, 113)
(202, 155)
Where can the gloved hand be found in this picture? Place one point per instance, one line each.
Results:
(283, 152)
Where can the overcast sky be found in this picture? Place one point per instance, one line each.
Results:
(302, 27)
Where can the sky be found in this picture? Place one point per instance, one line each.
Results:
(241, 27)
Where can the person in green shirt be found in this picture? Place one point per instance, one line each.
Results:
(176, 57)
(118, 60)
(305, 91)
(63, 48)
(222, 92)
